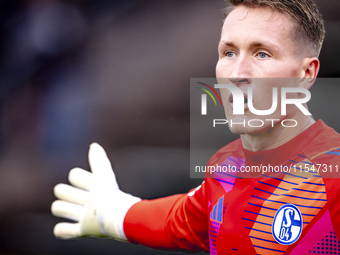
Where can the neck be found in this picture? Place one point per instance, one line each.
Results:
(273, 137)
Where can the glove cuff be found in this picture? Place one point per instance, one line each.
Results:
(111, 214)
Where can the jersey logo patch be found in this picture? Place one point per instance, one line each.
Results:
(216, 213)
(287, 224)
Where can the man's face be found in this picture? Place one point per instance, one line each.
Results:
(256, 43)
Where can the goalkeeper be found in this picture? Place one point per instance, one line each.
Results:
(288, 214)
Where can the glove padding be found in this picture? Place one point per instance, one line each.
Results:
(95, 201)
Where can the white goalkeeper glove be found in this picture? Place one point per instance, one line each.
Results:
(95, 201)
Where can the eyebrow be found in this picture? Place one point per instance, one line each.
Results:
(228, 43)
(252, 45)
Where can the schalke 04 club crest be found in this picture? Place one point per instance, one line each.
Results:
(287, 224)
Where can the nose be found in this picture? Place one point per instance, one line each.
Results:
(238, 81)
(241, 71)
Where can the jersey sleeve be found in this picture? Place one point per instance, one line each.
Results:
(175, 222)
(329, 168)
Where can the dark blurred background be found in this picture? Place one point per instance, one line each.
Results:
(112, 71)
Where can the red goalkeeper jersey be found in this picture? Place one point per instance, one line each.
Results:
(295, 211)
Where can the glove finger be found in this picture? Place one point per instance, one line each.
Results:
(67, 210)
(67, 230)
(80, 178)
(100, 165)
(71, 194)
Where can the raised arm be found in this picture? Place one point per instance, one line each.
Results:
(100, 208)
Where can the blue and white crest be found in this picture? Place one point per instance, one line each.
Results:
(287, 224)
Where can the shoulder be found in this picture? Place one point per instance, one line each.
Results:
(324, 152)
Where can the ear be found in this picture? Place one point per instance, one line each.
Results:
(311, 67)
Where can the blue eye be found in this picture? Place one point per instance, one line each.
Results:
(263, 55)
(229, 54)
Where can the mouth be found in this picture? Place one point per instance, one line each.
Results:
(231, 100)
